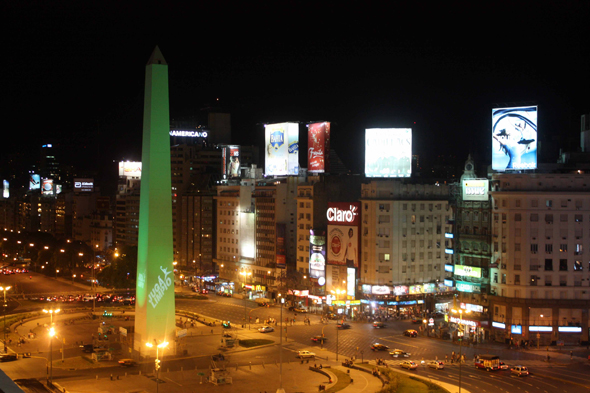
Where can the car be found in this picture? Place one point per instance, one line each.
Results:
(332, 316)
(343, 325)
(319, 339)
(409, 365)
(262, 304)
(411, 333)
(416, 321)
(8, 357)
(305, 354)
(299, 310)
(379, 347)
(266, 329)
(218, 357)
(378, 325)
(226, 324)
(436, 364)
(504, 366)
(398, 353)
(127, 362)
(519, 370)
(204, 291)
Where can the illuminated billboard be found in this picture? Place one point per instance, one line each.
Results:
(514, 138)
(231, 162)
(343, 234)
(47, 187)
(5, 189)
(351, 282)
(388, 152)
(281, 249)
(34, 182)
(83, 185)
(318, 147)
(475, 189)
(282, 149)
(468, 271)
(317, 253)
(130, 168)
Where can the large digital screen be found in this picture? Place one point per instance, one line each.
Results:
(47, 187)
(282, 149)
(514, 138)
(34, 182)
(130, 168)
(475, 189)
(388, 152)
(231, 162)
(317, 253)
(318, 147)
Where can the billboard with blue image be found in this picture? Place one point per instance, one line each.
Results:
(514, 138)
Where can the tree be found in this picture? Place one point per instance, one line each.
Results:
(122, 271)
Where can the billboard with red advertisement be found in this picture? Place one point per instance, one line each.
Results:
(343, 234)
(281, 248)
(318, 147)
(230, 166)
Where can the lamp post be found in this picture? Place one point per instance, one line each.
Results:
(280, 389)
(461, 335)
(4, 289)
(338, 292)
(51, 335)
(245, 274)
(162, 345)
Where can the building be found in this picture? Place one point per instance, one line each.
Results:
(539, 272)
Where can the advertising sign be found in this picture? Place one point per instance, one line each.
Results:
(5, 189)
(467, 271)
(400, 290)
(467, 287)
(366, 288)
(47, 187)
(475, 190)
(380, 290)
(351, 281)
(282, 149)
(317, 253)
(83, 185)
(516, 329)
(34, 182)
(189, 134)
(130, 168)
(388, 152)
(281, 249)
(318, 150)
(230, 167)
(343, 245)
(514, 138)
(58, 189)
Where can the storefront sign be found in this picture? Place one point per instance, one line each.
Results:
(468, 287)
(297, 292)
(468, 271)
(366, 288)
(516, 329)
(542, 329)
(498, 325)
(400, 290)
(448, 283)
(471, 307)
(464, 322)
(380, 290)
(259, 288)
(569, 329)
(415, 289)
(449, 268)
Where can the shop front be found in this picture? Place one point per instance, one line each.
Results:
(350, 308)
(224, 288)
(254, 291)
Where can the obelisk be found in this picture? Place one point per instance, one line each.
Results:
(154, 304)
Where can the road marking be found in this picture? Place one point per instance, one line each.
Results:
(172, 381)
(398, 342)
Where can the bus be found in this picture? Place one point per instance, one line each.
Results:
(487, 362)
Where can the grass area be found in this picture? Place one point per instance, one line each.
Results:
(401, 383)
(343, 381)
(254, 343)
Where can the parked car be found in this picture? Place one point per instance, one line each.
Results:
(266, 329)
(343, 325)
(305, 354)
(519, 370)
(408, 364)
(398, 353)
(8, 357)
(411, 333)
(127, 362)
(378, 325)
(379, 347)
(319, 339)
(436, 364)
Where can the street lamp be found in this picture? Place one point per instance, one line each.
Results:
(51, 335)
(4, 289)
(338, 292)
(245, 274)
(461, 335)
(162, 345)
(280, 389)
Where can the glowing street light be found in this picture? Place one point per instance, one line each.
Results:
(51, 335)
(4, 289)
(162, 345)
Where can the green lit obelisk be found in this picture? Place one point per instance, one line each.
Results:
(154, 306)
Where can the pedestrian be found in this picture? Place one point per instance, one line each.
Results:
(571, 355)
(446, 358)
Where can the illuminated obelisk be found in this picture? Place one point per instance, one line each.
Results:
(154, 306)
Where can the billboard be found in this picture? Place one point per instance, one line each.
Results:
(281, 249)
(343, 234)
(231, 162)
(5, 189)
(351, 282)
(318, 150)
(514, 138)
(475, 189)
(317, 253)
(468, 271)
(388, 152)
(47, 187)
(83, 185)
(34, 182)
(130, 168)
(282, 149)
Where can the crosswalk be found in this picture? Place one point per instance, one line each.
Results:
(528, 363)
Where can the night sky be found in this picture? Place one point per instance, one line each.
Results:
(74, 71)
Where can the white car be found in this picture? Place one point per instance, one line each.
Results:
(305, 354)
(409, 365)
(398, 353)
(519, 370)
(266, 329)
(436, 364)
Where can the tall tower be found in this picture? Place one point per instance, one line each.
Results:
(154, 307)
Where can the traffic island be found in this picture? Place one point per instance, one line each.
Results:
(397, 381)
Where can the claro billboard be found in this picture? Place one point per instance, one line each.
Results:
(388, 152)
(282, 149)
(318, 147)
(514, 138)
(343, 234)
